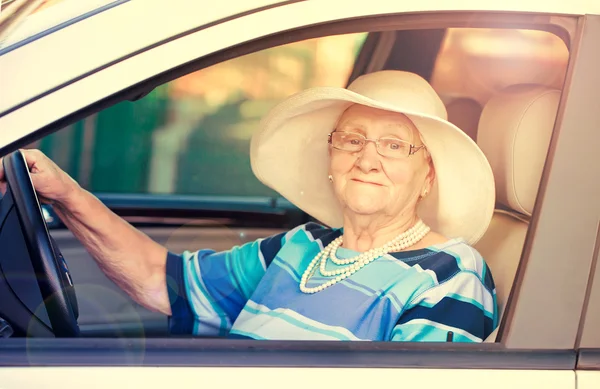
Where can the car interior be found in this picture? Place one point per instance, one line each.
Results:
(508, 109)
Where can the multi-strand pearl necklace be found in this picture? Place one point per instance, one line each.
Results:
(402, 241)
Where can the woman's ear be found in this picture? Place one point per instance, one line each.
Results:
(430, 177)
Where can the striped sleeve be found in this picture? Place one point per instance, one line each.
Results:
(208, 289)
(463, 305)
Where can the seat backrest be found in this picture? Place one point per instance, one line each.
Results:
(464, 113)
(514, 133)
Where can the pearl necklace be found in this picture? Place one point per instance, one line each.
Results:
(402, 241)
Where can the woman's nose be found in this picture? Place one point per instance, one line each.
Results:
(368, 158)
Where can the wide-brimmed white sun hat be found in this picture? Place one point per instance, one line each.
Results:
(289, 152)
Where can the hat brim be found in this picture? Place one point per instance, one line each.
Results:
(290, 155)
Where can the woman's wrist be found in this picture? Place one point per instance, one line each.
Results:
(74, 202)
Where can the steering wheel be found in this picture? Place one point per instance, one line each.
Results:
(51, 272)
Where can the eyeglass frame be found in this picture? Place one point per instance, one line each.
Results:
(413, 148)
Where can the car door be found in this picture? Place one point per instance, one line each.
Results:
(537, 342)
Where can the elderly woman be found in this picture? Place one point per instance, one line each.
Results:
(403, 192)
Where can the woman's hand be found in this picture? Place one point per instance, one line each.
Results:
(51, 183)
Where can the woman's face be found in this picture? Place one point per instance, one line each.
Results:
(367, 183)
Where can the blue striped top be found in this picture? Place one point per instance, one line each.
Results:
(253, 291)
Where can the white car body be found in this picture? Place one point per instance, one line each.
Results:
(49, 73)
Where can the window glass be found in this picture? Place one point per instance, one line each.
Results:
(191, 136)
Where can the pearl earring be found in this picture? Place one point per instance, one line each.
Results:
(330, 178)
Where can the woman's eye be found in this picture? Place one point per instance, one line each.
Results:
(394, 145)
(354, 142)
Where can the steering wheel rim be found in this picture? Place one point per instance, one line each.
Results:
(49, 277)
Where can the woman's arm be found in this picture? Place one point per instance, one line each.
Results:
(127, 256)
(462, 305)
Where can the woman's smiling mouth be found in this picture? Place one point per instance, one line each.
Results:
(365, 182)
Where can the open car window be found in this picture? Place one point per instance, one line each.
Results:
(189, 139)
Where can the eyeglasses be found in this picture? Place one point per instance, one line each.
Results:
(387, 147)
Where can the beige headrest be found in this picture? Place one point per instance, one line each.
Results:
(514, 133)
